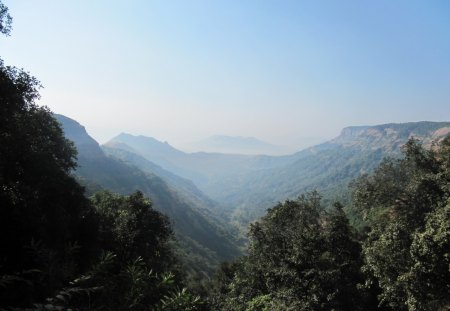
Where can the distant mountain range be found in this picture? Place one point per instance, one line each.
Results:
(328, 167)
(247, 145)
(236, 145)
(247, 185)
(202, 168)
(204, 191)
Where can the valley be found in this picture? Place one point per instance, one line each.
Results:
(245, 185)
(213, 197)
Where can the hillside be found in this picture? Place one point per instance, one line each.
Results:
(327, 167)
(203, 168)
(206, 240)
(248, 185)
(184, 187)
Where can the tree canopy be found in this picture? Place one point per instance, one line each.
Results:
(304, 257)
(300, 257)
(44, 216)
(5, 20)
(405, 204)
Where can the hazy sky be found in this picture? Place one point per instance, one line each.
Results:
(277, 70)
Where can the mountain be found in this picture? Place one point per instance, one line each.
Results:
(183, 186)
(200, 167)
(236, 145)
(328, 167)
(247, 185)
(155, 151)
(204, 238)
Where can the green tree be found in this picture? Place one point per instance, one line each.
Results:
(344, 263)
(428, 281)
(396, 202)
(138, 269)
(47, 227)
(300, 257)
(110, 253)
(130, 228)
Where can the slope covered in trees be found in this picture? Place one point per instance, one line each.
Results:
(60, 250)
(304, 257)
(202, 168)
(247, 185)
(204, 237)
(44, 215)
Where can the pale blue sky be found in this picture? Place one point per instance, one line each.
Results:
(277, 70)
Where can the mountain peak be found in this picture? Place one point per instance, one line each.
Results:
(145, 145)
(77, 133)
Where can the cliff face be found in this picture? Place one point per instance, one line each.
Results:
(391, 137)
(86, 145)
(352, 132)
(327, 167)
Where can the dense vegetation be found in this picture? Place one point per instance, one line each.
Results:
(303, 257)
(59, 249)
(247, 185)
(204, 238)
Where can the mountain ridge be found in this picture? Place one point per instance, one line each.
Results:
(234, 145)
(244, 183)
(205, 237)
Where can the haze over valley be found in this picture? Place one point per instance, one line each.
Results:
(243, 186)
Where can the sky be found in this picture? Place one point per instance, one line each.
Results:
(283, 71)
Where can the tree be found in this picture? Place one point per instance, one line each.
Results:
(428, 281)
(58, 249)
(344, 263)
(137, 269)
(130, 228)
(47, 226)
(300, 257)
(397, 201)
(5, 20)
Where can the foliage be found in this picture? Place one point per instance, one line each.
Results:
(203, 240)
(428, 279)
(112, 252)
(5, 20)
(131, 228)
(46, 224)
(137, 266)
(300, 257)
(180, 300)
(404, 203)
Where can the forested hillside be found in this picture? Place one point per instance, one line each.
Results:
(302, 256)
(202, 168)
(246, 186)
(61, 250)
(205, 239)
(328, 167)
